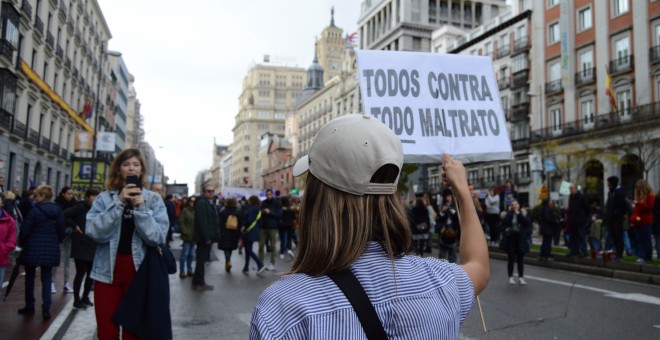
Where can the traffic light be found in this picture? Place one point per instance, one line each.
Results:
(246, 180)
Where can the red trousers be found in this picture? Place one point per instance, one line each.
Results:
(108, 296)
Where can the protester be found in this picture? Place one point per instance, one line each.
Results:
(253, 219)
(7, 238)
(206, 232)
(285, 227)
(507, 195)
(40, 237)
(516, 226)
(271, 211)
(356, 223)
(187, 228)
(229, 230)
(10, 204)
(616, 208)
(66, 199)
(578, 219)
(421, 223)
(124, 220)
(641, 220)
(450, 228)
(548, 224)
(171, 215)
(82, 248)
(493, 215)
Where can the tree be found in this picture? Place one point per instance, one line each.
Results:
(643, 144)
(407, 169)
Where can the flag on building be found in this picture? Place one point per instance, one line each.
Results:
(608, 89)
(88, 109)
(351, 38)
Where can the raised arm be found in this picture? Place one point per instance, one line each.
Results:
(474, 251)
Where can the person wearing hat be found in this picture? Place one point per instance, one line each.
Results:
(353, 228)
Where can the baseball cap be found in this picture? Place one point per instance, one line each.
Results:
(348, 150)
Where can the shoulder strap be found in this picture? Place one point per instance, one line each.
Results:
(358, 298)
(254, 223)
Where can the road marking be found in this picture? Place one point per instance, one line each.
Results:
(623, 296)
(4, 284)
(656, 326)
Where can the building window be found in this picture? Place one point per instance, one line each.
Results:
(489, 175)
(620, 7)
(586, 61)
(246, 169)
(555, 115)
(554, 71)
(552, 3)
(519, 63)
(587, 112)
(488, 49)
(553, 33)
(621, 48)
(279, 115)
(473, 176)
(623, 101)
(505, 172)
(522, 169)
(264, 114)
(584, 19)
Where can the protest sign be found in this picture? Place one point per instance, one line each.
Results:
(436, 104)
(565, 188)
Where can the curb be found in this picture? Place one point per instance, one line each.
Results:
(613, 269)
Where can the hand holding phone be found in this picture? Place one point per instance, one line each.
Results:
(135, 180)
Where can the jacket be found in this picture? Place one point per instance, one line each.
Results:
(229, 238)
(449, 232)
(104, 226)
(206, 221)
(525, 227)
(656, 216)
(145, 308)
(187, 223)
(420, 215)
(578, 210)
(271, 220)
(7, 237)
(616, 206)
(41, 235)
(642, 214)
(250, 215)
(493, 204)
(547, 221)
(82, 246)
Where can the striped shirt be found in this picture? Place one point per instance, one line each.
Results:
(430, 300)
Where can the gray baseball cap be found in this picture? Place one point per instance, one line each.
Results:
(348, 150)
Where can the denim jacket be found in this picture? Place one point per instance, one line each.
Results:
(104, 226)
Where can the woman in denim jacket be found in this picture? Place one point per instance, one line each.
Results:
(124, 220)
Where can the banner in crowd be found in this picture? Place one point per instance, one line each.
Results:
(436, 104)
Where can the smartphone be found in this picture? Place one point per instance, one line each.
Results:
(133, 179)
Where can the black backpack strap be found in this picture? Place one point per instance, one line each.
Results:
(358, 298)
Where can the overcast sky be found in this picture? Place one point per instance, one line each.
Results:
(189, 59)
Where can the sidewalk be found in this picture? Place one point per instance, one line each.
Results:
(81, 324)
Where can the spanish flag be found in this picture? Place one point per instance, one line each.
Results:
(608, 89)
(87, 109)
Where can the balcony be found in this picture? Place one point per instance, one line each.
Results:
(5, 119)
(553, 87)
(6, 49)
(26, 8)
(53, 3)
(522, 178)
(59, 52)
(55, 150)
(45, 143)
(33, 137)
(607, 121)
(519, 110)
(20, 129)
(586, 76)
(75, 73)
(502, 52)
(503, 83)
(521, 44)
(50, 40)
(654, 54)
(67, 63)
(520, 79)
(39, 26)
(520, 144)
(624, 64)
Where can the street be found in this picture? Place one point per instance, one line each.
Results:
(555, 304)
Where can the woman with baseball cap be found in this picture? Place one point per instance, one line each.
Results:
(351, 274)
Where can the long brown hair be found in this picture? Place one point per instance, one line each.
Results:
(336, 227)
(114, 178)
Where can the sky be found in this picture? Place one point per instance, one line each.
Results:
(189, 62)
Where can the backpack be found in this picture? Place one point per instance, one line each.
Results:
(232, 222)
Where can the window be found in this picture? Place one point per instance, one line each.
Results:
(264, 114)
(621, 48)
(587, 112)
(262, 126)
(623, 101)
(522, 169)
(553, 33)
(10, 30)
(555, 115)
(584, 19)
(279, 115)
(586, 62)
(554, 71)
(505, 105)
(473, 176)
(489, 175)
(620, 7)
(488, 49)
(505, 172)
(521, 31)
(552, 3)
(519, 63)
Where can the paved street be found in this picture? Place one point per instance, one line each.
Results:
(555, 304)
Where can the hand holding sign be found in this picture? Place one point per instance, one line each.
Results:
(453, 172)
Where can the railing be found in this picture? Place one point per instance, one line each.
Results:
(503, 51)
(520, 44)
(63, 8)
(50, 40)
(503, 83)
(26, 8)
(554, 86)
(53, 3)
(654, 54)
(6, 49)
(63, 153)
(75, 73)
(39, 26)
(59, 52)
(521, 178)
(5, 119)
(520, 78)
(518, 110)
(520, 144)
(33, 137)
(45, 143)
(20, 129)
(623, 64)
(67, 63)
(586, 76)
(55, 150)
(611, 120)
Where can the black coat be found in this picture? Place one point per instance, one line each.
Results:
(525, 227)
(548, 221)
(656, 215)
(145, 308)
(229, 238)
(578, 211)
(616, 206)
(420, 215)
(82, 246)
(41, 235)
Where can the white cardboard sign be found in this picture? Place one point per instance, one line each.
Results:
(436, 104)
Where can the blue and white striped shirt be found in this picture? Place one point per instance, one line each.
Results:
(430, 300)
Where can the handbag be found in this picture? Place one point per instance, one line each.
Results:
(366, 313)
(167, 258)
